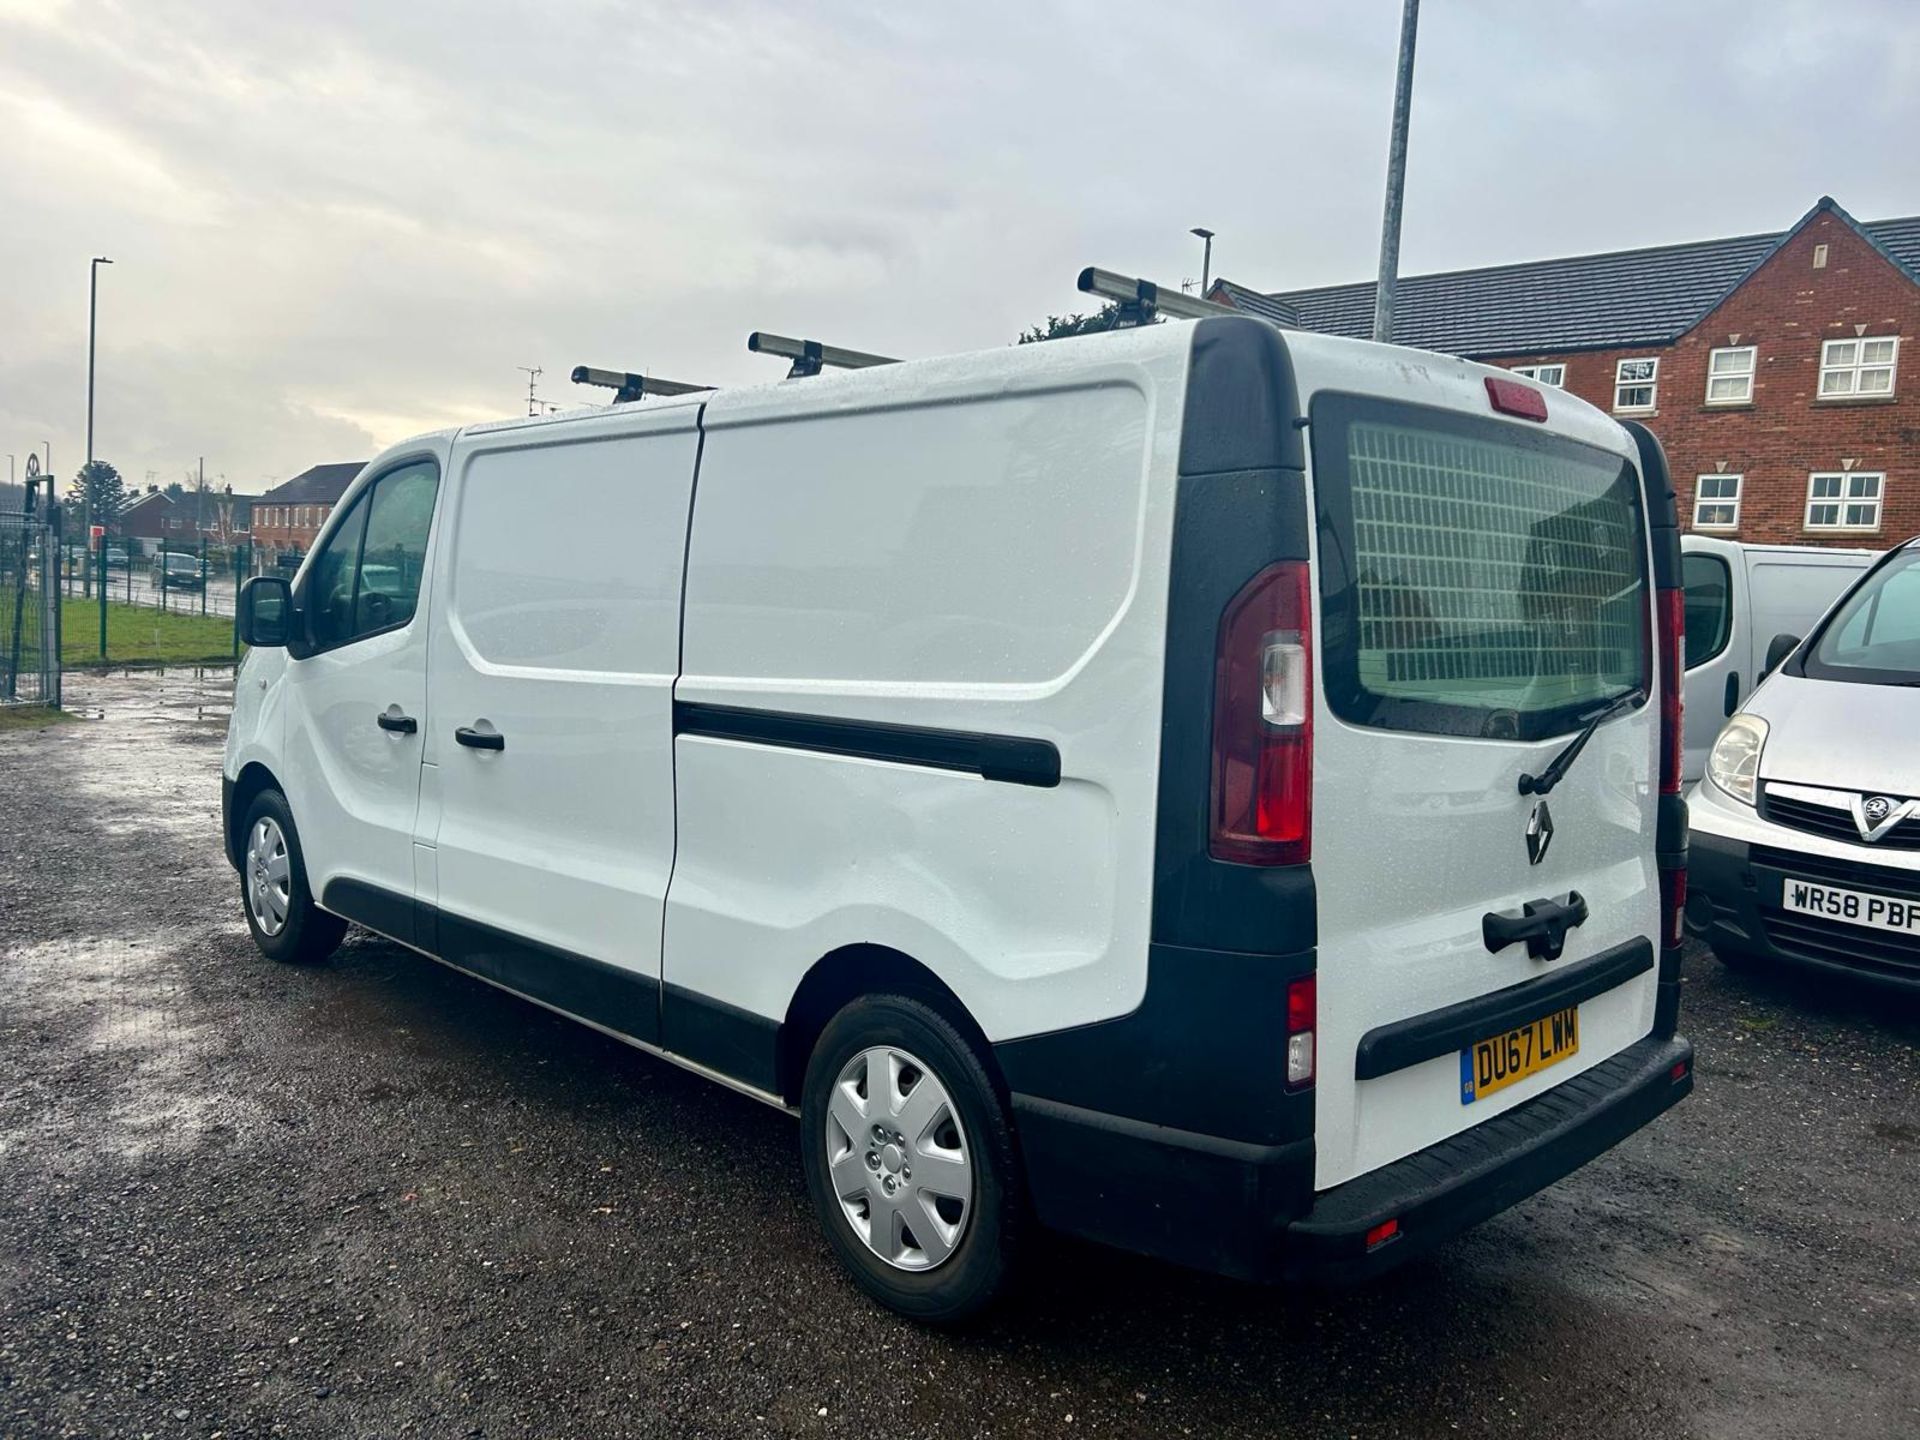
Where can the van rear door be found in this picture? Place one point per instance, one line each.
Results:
(1485, 593)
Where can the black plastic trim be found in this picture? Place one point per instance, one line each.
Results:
(1661, 509)
(1012, 759)
(374, 907)
(1240, 505)
(1438, 1192)
(229, 841)
(1204, 1051)
(724, 1038)
(1387, 1048)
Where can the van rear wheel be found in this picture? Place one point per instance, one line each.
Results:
(910, 1160)
(285, 923)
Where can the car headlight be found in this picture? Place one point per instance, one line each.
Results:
(1734, 764)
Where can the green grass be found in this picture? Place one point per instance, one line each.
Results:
(31, 717)
(137, 635)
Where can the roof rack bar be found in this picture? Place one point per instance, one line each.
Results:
(630, 386)
(809, 356)
(1142, 301)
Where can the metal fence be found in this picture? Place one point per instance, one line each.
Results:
(29, 612)
(197, 578)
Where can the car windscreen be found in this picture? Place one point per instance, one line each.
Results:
(1477, 577)
(1873, 636)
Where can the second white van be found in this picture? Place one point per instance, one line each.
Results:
(1207, 789)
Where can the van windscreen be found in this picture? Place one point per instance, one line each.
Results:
(1477, 577)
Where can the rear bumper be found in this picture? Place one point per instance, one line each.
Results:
(1249, 1211)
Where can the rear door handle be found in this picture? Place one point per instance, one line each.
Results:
(480, 739)
(396, 722)
(1733, 690)
(1543, 924)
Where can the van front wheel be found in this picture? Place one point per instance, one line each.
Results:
(910, 1159)
(281, 916)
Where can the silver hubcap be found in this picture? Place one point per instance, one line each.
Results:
(898, 1159)
(269, 876)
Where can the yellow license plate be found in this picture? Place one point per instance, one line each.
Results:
(1499, 1060)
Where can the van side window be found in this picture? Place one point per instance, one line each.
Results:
(367, 577)
(393, 556)
(1709, 590)
(329, 597)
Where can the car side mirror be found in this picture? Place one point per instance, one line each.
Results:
(1781, 647)
(264, 615)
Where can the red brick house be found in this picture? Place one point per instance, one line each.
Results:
(288, 517)
(1770, 366)
(157, 520)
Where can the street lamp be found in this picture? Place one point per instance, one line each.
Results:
(86, 493)
(1206, 263)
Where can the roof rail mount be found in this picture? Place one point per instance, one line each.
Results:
(1142, 302)
(629, 386)
(810, 356)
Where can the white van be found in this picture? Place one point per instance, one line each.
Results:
(1102, 782)
(1739, 598)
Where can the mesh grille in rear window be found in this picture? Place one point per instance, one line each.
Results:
(1494, 586)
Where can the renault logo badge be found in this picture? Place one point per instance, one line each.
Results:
(1539, 833)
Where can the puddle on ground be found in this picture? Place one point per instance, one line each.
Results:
(143, 1062)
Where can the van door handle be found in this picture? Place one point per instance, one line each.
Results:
(1543, 924)
(480, 739)
(396, 722)
(1733, 690)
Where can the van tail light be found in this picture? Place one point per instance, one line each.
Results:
(1673, 636)
(1302, 1003)
(1673, 907)
(1263, 722)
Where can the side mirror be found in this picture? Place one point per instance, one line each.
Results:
(1781, 647)
(264, 615)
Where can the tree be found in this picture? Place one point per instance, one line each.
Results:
(97, 485)
(1060, 326)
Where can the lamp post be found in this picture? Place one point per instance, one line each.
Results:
(93, 307)
(1206, 260)
(1396, 178)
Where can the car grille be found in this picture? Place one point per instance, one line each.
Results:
(1833, 824)
(1882, 952)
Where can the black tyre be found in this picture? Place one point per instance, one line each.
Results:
(285, 923)
(911, 1160)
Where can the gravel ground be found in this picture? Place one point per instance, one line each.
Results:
(380, 1199)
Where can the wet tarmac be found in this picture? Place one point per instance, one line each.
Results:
(378, 1199)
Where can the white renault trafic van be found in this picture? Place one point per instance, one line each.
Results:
(1208, 789)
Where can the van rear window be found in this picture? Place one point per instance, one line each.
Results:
(1477, 578)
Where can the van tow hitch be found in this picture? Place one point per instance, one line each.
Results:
(1543, 924)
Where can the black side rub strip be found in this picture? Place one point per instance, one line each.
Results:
(1388, 1048)
(993, 757)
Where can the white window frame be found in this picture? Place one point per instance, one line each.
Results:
(1558, 379)
(1857, 367)
(1844, 498)
(1730, 502)
(1752, 354)
(1651, 384)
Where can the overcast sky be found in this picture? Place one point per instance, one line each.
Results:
(338, 222)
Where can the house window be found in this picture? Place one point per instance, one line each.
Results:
(1848, 501)
(1730, 375)
(1545, 374)
(1716, 502)
(1633, 384)
(1858, 367)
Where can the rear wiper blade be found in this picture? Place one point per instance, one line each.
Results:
(1557, 767)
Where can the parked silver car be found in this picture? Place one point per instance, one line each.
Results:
(1806, 830)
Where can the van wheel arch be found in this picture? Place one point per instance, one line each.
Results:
(253, 778)
(845, 975)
